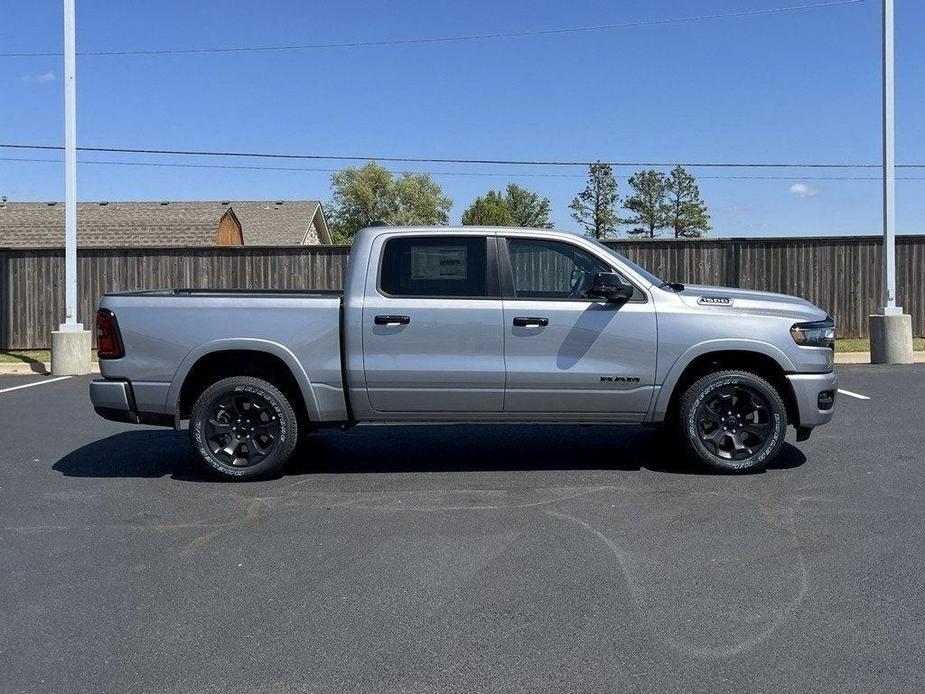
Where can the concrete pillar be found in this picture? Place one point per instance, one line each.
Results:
(70, 352)
(891, 339)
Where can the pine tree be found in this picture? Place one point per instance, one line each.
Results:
(687, 213)
(594, 208)
(648, 203)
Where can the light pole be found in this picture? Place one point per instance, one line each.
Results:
(70, 164)
(890, 330)
(889, 173)
(70, 344)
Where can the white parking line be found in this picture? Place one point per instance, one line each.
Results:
(853, 395)
(37, 383)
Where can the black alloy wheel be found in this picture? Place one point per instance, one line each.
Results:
(734, 421)
(243, 428)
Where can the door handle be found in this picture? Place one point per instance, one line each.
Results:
(526, 322)
(393, 320)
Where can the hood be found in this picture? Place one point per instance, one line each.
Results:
(750, 301)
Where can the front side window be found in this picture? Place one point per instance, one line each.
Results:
(636, 267)
(552, 269)
(442, 266)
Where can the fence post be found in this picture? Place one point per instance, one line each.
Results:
(733, 262)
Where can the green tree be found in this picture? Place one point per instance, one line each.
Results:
(490, 211)
(371, 194)
(686, 213)
(594, 208)
(419, 201)
(527, 208)
(648, 203)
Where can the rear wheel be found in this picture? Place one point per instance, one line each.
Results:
(243, 428)
(734, 421)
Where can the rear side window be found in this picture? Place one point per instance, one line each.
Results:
(442, 266)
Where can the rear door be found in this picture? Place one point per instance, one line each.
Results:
(566, 354)
(433, 340)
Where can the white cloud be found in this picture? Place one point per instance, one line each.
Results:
(41, 78)
(804, 190)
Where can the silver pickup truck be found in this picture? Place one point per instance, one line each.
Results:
(468, 325)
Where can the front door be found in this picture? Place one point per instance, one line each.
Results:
(433, 342)
(566, 354)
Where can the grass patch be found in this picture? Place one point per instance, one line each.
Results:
(30, 356)
(855, 344)
(852, 344)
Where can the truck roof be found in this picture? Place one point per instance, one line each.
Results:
(479, 230)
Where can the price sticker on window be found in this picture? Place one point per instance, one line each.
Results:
(438, 263)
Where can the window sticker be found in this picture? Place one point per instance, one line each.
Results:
(438, 263)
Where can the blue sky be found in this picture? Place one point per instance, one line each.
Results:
(797, 86)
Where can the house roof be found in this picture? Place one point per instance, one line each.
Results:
(140, 224)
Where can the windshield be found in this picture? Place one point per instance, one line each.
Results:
(654, 279)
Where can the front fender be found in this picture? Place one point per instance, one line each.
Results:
(253, 345)
(673, 375)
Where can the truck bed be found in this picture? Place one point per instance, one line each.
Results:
(166, 331)
(184, 291)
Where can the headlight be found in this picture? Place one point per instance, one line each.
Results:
(815, 334)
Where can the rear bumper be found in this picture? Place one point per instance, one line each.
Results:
(115, 401)
(815, 397)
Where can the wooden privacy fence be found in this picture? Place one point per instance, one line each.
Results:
(840, 274)
(32, 281)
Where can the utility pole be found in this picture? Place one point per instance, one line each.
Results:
(70, 344)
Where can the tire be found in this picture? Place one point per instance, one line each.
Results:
(732, 421)
(243, 428)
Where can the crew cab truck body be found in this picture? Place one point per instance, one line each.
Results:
(468, 324)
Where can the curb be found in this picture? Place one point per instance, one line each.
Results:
(852, 357)
(44, 369)
(864, 358)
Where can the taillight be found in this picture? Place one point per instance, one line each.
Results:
(108, 340)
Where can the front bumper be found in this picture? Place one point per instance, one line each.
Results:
(115, 401)
(814, 395)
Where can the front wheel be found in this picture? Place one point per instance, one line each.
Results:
(243, 428)
(733, 421)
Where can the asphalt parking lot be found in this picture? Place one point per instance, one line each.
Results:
(462, 558)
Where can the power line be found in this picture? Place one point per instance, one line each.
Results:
(449, 160)
(279, 168)
(440, 173)
(446, 39)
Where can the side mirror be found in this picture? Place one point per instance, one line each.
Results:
(609, 286)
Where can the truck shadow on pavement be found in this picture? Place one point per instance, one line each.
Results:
(437, 448)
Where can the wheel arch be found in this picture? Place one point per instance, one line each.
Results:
(760, 358)
(219, 359)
